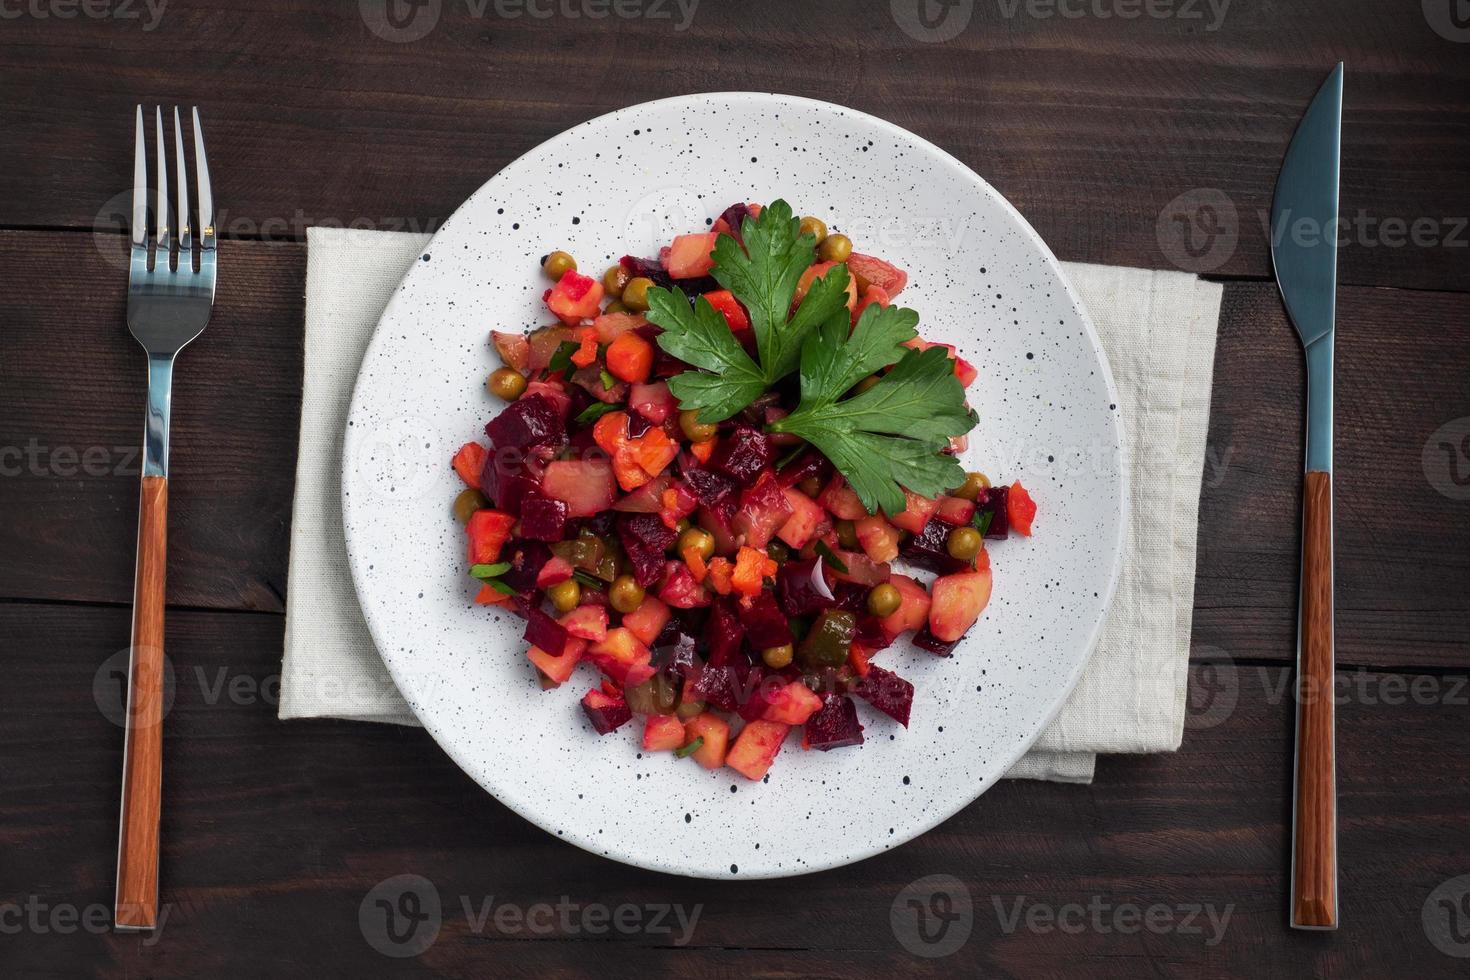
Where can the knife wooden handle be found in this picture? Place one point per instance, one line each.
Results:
(137, 858)
(1314, 857)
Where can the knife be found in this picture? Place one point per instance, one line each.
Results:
(1304, 225)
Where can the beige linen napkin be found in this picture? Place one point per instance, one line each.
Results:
(1158, 329)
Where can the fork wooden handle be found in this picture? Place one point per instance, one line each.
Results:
(137, 856)
(1314, 857)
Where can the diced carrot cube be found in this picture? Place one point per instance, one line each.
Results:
(469, 461)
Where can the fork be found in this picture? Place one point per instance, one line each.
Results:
(168, 305)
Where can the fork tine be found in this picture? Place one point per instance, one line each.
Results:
(181, 172)
(164, 240)
(139, 226)
(206, 194)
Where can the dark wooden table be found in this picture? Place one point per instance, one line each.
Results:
(1114, 126)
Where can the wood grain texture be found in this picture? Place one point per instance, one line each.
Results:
(1314, 842)
(142, 779)
(275, 833)
(1116, 136)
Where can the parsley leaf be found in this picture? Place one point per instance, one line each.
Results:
(700, 336)
(889, 436)
(763, 274)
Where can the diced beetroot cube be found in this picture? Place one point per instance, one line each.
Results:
(926, 640)
(742, 454)
(755, 748)
(605, 712)
(871, 634)
(723, 633)
(544, 632)
(679, 589)
(765, 624)
(809, 464)
(835, 725)
(763, 510)
(714, 490)
(530, 421)
(647, 269)
(645, 539)
(719, 526)
(795, 591)
(543, 518)
(756, 690)
(719, 687)
(586, 486)
(996, 501)
(734, 218)
(929, 549)
(508, 480)
(887, 692)
(527, 559)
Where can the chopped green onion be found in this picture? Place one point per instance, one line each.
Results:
(790, 457)
(484, 572)
(838, 565)
(686, 751)
(582, 578)
(594, 412)
(608, 381)
(500, 586)
(981, 521)
(562, 359)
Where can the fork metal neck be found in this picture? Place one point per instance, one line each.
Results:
(155, 427)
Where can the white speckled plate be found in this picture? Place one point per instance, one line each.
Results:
(979, 277)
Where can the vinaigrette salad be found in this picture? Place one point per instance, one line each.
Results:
(706, 479)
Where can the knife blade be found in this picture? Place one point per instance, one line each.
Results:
(1304, 226)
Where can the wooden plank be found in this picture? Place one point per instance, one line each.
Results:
(73, 384)
(274, 834)
(1103, 130)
